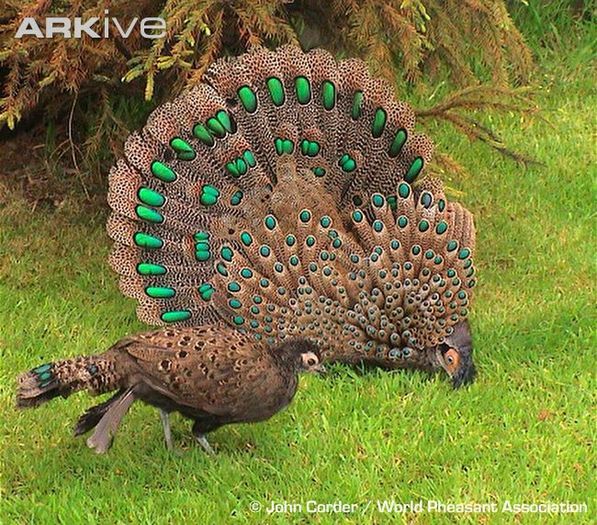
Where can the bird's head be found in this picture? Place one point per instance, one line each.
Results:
(455, 355)
(302, 354)
(311, 362)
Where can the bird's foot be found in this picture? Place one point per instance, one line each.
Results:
(202, 440)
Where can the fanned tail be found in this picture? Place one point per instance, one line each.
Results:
(282, 196)
(205, 167)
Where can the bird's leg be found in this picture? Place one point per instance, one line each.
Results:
(202, 440)
(200, 428)
(165, 417)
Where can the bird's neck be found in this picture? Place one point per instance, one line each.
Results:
(285, 357)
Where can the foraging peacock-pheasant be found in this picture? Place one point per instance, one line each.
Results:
(278, 197)
(214, 375)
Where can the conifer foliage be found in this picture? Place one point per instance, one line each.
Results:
(474, 41)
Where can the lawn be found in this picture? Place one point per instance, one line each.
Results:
(522, 432)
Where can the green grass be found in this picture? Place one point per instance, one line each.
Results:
(522, 432)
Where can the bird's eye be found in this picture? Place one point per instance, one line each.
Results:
(452, 359)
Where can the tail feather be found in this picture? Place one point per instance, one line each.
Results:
(285, 180)
(206, 167)
(93, 415)
(106, 427)
(37, 386)
(62, 378)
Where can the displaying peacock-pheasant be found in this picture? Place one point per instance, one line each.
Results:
(277, 209)
(273, 215)
(214, 375)
(284, 196)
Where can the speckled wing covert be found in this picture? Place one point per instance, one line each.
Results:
(213, 368)
(278, 197)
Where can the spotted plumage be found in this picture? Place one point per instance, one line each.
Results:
(285, 196)
(214, 375)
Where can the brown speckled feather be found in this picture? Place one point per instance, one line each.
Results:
(213, 368)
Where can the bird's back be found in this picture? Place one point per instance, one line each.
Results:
(206, 371)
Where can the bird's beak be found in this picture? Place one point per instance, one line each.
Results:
(320, 369)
